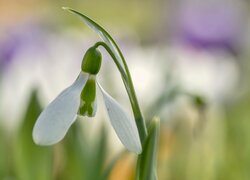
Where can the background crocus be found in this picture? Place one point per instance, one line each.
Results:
(206, 40)
(14, 58)
(26, 49)
(211, 24)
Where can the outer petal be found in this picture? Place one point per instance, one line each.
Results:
(54, 122)
(124, 126)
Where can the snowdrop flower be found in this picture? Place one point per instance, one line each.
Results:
(80, 99)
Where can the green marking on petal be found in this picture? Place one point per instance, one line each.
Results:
(88, 95)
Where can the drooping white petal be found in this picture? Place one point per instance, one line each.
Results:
(54, 122)
(94, 105)
(124, 126)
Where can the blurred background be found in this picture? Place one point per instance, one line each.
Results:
(189, 60)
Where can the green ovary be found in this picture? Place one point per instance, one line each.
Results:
(92, 61)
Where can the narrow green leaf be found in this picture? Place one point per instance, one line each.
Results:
(83, 159)
(146, 169)
(74, 154)
(31, 161)
(3, 153)
(104, 35)
(99, 154)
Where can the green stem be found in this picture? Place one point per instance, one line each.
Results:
(140, 123)
(103, 44)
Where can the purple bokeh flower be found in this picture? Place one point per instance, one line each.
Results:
(26, 36)
(7, 51)
(35, 55)
(210, 24)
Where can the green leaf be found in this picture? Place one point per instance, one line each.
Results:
(146, 169)
(3, 152)
(75, 153)
(104, 35)
(83, 159)
(100, 154)
(31, 161)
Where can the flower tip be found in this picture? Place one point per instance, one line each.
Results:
(42, 139)
(36, 138)
(138, 150)
(39, 140)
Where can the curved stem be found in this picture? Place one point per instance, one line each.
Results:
(100, 43)
(140, 123)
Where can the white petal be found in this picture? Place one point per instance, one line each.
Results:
(94, 105)
(54, 122)
(124, 126)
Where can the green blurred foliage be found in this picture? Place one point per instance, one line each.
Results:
(31, 161)
(237, 147)
(75, 157)
(2, 152)
(81, 158)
